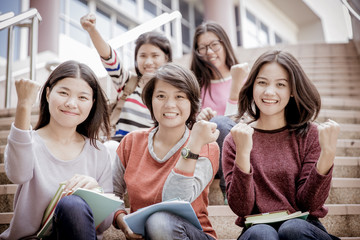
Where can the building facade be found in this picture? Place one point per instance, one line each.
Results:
(249, 23)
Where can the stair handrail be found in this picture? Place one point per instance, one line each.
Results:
(21, 20)
(351, 10)
(151, 25)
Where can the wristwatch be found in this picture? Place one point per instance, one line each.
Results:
(186, 153)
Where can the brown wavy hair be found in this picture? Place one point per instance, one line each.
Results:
(305, 103)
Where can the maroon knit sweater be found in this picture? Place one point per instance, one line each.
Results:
(283, 175)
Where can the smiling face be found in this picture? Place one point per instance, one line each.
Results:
(217, 58)
(171, 106)
(149, 58)
(70, 102)
(271, 91)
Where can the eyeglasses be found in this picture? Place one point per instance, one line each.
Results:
(214, 46)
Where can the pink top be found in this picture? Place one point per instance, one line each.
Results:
(220, 90)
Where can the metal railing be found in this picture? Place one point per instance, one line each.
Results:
(159, 21)
(351, 10)
(28, 19)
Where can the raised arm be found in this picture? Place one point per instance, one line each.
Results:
(88, 22)
(27, 91)
(202, 133)
(239, 74)
(190, 176)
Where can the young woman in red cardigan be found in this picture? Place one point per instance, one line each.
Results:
(280, 160)
(178, 158)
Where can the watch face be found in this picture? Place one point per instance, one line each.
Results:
(184, 152)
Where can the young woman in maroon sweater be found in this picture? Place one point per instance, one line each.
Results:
(280, 160)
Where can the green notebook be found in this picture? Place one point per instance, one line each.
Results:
(273, 217)
(101, 204)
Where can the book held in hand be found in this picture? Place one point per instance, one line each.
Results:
(273, 217)
(136, 220)
(101, 204)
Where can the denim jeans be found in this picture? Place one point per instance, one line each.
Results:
(164, 226)
(291, 229)
(73, 219)
(224, 124)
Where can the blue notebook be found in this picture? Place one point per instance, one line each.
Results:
(136, 220)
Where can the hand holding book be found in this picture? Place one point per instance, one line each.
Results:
(101, 204)
(136, 220)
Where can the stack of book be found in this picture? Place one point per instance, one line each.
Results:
(273, 217)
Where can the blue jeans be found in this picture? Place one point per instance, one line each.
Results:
(291, 229)
(224, 124)
(73, 219)
(164, 226)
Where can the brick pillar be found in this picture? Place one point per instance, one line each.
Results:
(222, 12)
(49, 28)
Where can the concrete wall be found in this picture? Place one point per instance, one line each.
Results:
(333, 19)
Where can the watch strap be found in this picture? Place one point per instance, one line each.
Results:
(189, 154)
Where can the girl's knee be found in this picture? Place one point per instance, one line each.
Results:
(158, 225)
(260, 231)
(71, 205)
(291, 228)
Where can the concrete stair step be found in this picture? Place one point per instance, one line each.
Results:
(333, 78)
(2, 150)
(340, 103)
(343, 67)
(343, 190)
(10, 112)
(348, 147)
(340, 116)
(332, 85)
(351, 92)
(346, 167)
(343, 220)
(5, 122)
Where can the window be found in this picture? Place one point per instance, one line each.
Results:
(120, 28)
(184, 9)
(10, 6)
(278, 39)
(103, 24)
(238, 26)
(167, 3)
(199, 18)
(257, 33)
(263, 34)
(78, 8)
(150, 8)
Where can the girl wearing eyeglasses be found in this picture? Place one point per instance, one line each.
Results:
(220, 77)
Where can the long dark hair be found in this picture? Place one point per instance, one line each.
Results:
(154, 38)
(303, 106)
(179, 77)
(98, 119)
(204, 70)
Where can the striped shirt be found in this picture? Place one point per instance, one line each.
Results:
(134, 114)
